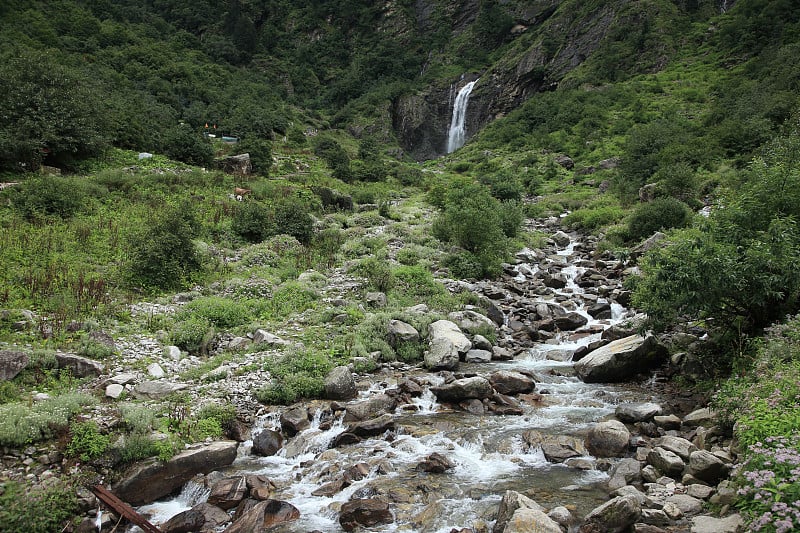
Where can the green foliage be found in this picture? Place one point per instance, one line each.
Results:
(598, 214)
(253, 221)
(222, 413)
(217, 311)
(21, 424)
(135, 447)
(95, 349)
(292, 218)
(138, 419)
(49, 196)
(183, 143)
(260, 151)
(290, 297)
(86, 441)
(335, 156)
(163, 256)
(658, 215)
(192, 334)
(377, 271)
(42, 510)
(296, 375)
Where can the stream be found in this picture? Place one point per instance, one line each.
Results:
(490, 451)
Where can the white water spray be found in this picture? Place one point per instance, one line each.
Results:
(457, 135)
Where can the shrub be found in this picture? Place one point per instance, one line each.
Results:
(290, 297)
(296, 375)
(224, 414)
(660, 214)
(95, 350)
(43, 510)
(511, 216)
(220, 312)
(136, 447)
(192, 334)
(260, 151)
(86, 441)
(292, 218)
(21, 424)
(138, 419)
(378, 273)
(254, 221)
(49, 196)
(183, 143)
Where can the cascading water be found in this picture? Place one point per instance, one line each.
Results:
(457, 135)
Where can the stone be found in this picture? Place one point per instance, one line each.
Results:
(122, 379)
(700, 417)
(478, 356)
(340, 384)
(709, 524)
(648, 244)
(608, 439)
(614, 516)
(261, 336)
(436, 463)
(687, 504)
(114, 390)
(294, 421)
(620, 359)
(81, 367)
(667, 421)
(238, 165)
(636, 412)
(375, 299)
(623, 473)
(446, 329)
(364, 513)
(442, 354)
(481, 343)
(656, 517)
(12, 362)
(600, 311)
(264, 516)
(463, 389)
(726, 493)
(531, 521)
(372, 428)
(267, 443)
(630, 490)
(155, 390)
(173, 352)
(561, 516)
(155, 370)
(228, 492)
(510, 382)
(677, 445)
(561, 239)
(511, 502)
(201, 517)
(570, 321)
(399, 332)
(372, 407)
(665, 461)
(556, 448)
(707, 467)
(702, 492)
(471, 321)
(153, 479)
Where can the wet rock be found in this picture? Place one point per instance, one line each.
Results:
(237, 430)
(608, 439)
(399, 332)
(442, 354)
(356, 472)
(463, 389)
(263, 516)
(446, 329)
(294, 421)
(436, 463)
(478, 356)
(570, 321)
(364, 513)
(561, 239)
(636, 412)
(556, 448)
(331, 488)
(600, 311)
(261, 493)
(677, 445)
(623, 473)
(372, 428)
(156, 390)
(370, 408)
(340, 384)
(700, 417)
(510, 382)
(707, 467)
(614, 516)
(410, 387)
(709, 524)
(621, 359)
(154, 479)
(665, 461)
(12, 362)
(501, 354)
(80, 367)
(512, 502)
(267, 443)
(227, 493)
(201, 517)
(531, 521)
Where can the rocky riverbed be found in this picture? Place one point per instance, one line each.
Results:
(559, 423)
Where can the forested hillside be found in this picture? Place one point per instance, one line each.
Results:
(629, 166)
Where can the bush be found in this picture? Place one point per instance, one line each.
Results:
(192, 334)
(660, 214)
(378, 273)
(86, 441)
(253, 221)
(218, 311)
(95, 350)
(292, 218)
(291, 297)
(183, 143)
(294, 376)
(43, 510)
(49, 196)
(260, 151)
(21, 424)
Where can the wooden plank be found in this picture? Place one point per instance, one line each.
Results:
(123, 509)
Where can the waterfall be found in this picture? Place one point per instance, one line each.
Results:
(456, 136)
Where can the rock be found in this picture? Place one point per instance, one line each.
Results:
(656, 517)
(294, 421)
(726, 493)
(556, 448)
(600, 311)
(709, 524)
(375, 300)
(442, 354)
(478, 356)
(155, 390)
(238, 165)
(561, 516)
(702, 492)
(153, 479)
(570, 321)
(264, 516)
(623, 473)
(364, 513)
(647, 193)
(636, 412)
(531, 521)
(647, 245)
(372, 407)
(564, 161)
(122, 379)
(340, 384)
(667, 421)
(463, 389)
(480, 342)
(620, 359)
(608, 439)
(114, 390)
(472, 322)
(630, 490)
(267, 443)
(173, 352)
(436, 463)
(12, 362)
(155, 370)
(228, 492)
(445, 329)
(81, 367)
(509, 382)
(512, 502)
(372, 428)
(237, 430)
(561, 239)
(399, 332)
(687, 504)
(614, 516)
(677, 445)
(261, 336)
(701, 417)
(665, 461)
(707, 467)
(201, 517)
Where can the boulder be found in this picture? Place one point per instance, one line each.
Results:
(464, 389)
(238, 165)
(436, 463)
(556, 448)
(12, 362)
(509, 382)
(608, 439)
(624, 473)
(372, 407)
(471, 321)
(81, 367)
(201, 517)
(372, 428)
(687, 504)
(561, 239)
(621, 359)
(666, 462)
(637, 412)
(709, 524)
(340, 384)
(114, 390)
(261, 336)
(228, 492)
(442, 354)
(294, 421)
(445, 329)
(263, 516)
(480, 342)
(614, 516)
(570, 321)
(399, 332)
(707, 467)
(156, 390)
(677, 445)
(531, 521)
(153, 479)
(478, 356)
(512, 502)
(375, 300)
(700, 417)
(267, 443)
(364, 513)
